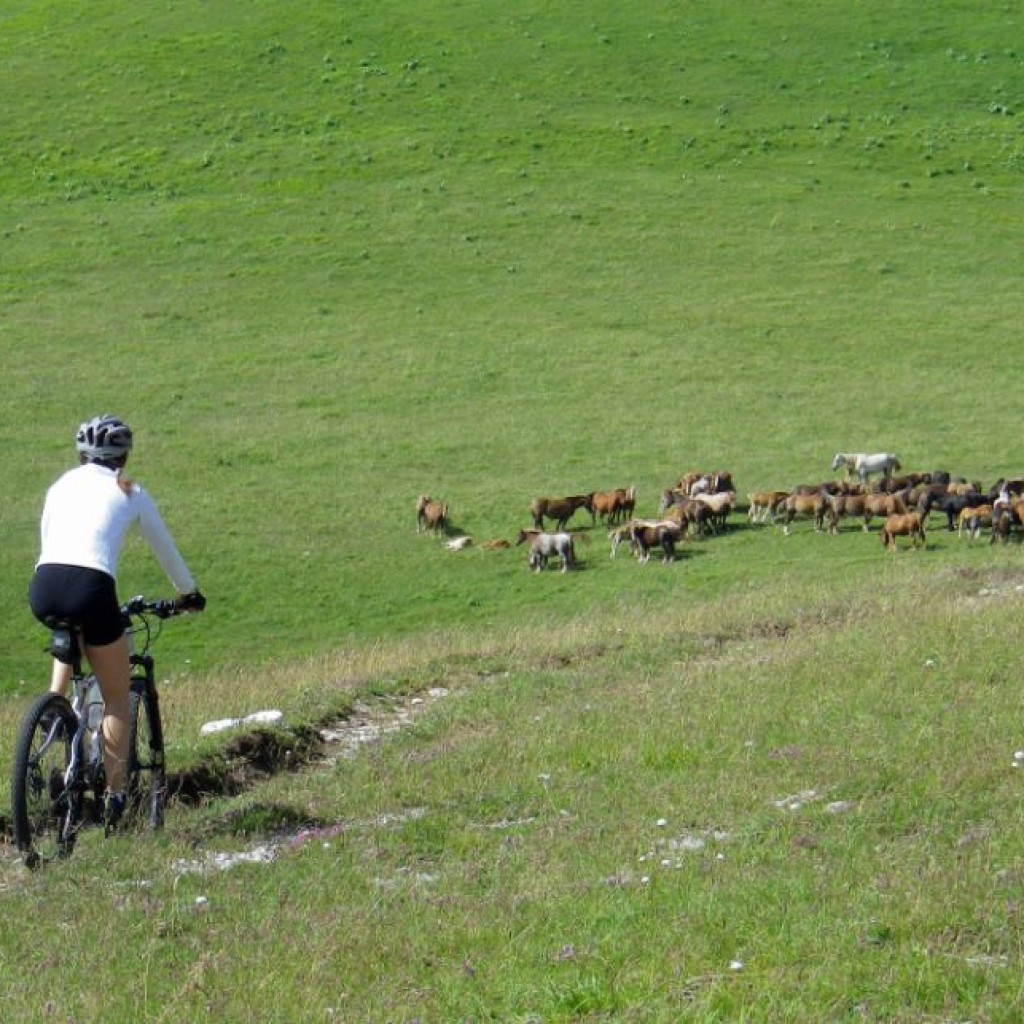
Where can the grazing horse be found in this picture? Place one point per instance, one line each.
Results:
(972, 519)
(1004, 518)
(883, 505)
(687, 482)
(559, 510)
(613, 506)
(617, 536)
(430, 514)
(845, 506)
(846, 461)
(828, 486)
(882, 462)
(762, 505)
(950, 504)
(627, 501)
(644, 536)
(969, 487)
(908, 524)
(687, 512)
(546, 545)
(863, 465)
(891, 484)
(812, 505)
(719, 506)
(671, 497)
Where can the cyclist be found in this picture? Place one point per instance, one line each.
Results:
(86, 515)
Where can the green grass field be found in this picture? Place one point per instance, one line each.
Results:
(324, 260)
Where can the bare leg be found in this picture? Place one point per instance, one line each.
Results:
(113, 670)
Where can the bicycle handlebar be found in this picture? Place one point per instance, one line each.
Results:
(164, 608)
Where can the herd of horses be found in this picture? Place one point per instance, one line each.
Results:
(700, 504)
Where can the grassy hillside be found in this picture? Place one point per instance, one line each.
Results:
(326, 257)
(326, 260)
(798, 806)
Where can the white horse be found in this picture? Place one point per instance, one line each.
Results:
(882, 462)
(864, 465)
(545, 545)
(846, 461)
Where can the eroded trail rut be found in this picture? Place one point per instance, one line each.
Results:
(253, 756)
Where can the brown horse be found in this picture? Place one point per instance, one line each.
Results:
(973, 519)
(612, 506)
(762, 505)
(430, 514)
(846, 506)
(907, 524)
(644, 536)
(559, 510)
(810, 505)
(883, 505)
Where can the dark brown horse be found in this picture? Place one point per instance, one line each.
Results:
(559, 510)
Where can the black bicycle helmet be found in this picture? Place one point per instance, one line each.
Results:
(103, 438)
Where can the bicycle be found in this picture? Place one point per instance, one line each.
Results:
(58, 780)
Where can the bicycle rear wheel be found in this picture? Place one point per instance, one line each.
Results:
(45, 810)
(146, 783)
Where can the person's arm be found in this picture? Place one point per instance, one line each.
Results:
(154, 530)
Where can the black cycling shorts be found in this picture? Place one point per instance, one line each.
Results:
(87, 597)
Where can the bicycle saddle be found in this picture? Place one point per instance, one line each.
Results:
(62, 640)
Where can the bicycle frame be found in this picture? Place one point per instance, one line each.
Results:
(81, 766)
(49, 804)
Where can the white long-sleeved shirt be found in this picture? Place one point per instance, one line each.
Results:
(87, 515)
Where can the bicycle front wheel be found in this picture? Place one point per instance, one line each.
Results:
(146, 783)
(45, 804)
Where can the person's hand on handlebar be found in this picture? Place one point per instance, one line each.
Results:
(194, 602)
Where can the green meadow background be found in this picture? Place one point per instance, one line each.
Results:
(325, 260)
(326, 257)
